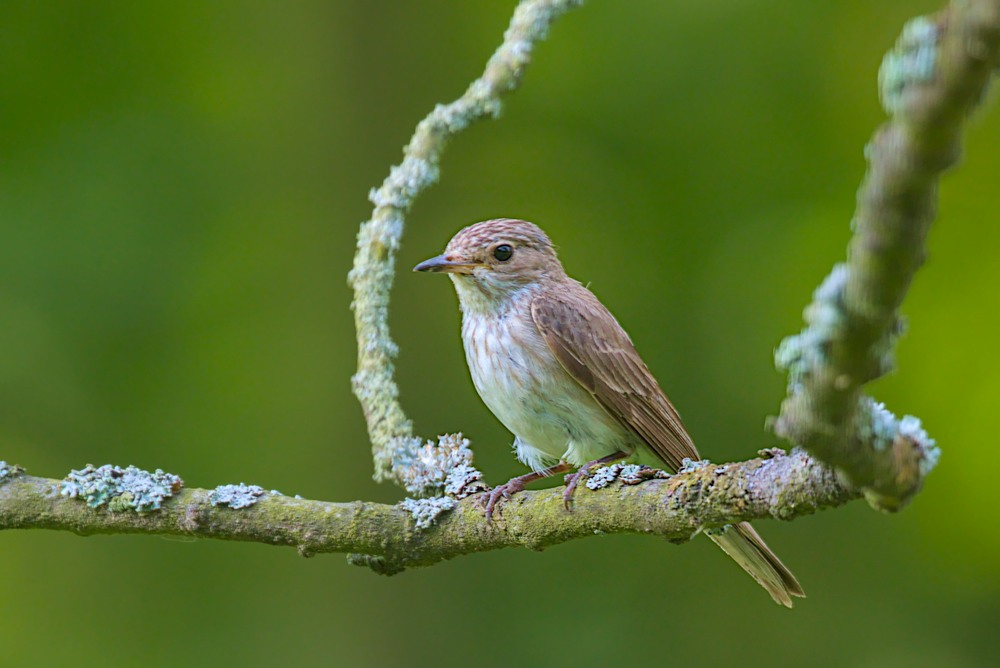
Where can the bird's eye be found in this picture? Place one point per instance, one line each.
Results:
(503, 252)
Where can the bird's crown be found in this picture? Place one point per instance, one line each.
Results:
(519, 232)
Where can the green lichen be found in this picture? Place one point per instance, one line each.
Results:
(801, 354)
(425, 511)
(626, 474)
(377, 563)
(8, 471)
(911, 61)
(424, 469)
(120, 489)
(236, 496)
(879, 428)
(688, 465)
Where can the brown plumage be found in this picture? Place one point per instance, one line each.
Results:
(596, 351)
(558, 370)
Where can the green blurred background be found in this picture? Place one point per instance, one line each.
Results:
(180, 188)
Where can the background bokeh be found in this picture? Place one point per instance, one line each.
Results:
(180, 187)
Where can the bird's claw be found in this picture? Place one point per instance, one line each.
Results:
(505, 491)
(572, 480)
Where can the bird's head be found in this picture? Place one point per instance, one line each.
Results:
(494, 260)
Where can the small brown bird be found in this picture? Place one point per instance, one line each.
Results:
(559, 372)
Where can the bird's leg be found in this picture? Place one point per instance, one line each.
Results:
(573, 479)
(515, 485)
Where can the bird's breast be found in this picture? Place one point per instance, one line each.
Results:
(525, 386)
(509, 362)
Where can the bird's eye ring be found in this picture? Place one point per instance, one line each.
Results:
(503, 252)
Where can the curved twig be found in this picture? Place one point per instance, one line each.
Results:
(389, 430)
(930, 83)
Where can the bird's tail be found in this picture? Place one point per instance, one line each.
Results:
(747, 548)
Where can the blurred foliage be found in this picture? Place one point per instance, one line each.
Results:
(180, 186)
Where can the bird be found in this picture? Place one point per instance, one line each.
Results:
(552, 363)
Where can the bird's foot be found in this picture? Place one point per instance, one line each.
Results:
(573, 479)
(515, 485)
(512, 486)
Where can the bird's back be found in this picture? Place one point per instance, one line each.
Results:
(597, 352)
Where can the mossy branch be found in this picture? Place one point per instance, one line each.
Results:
(930, 83)
(777, 486)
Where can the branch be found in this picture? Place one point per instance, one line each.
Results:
(390, 432)
(386, 537)
(930, 83)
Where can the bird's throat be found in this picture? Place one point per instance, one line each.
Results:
(483, 297)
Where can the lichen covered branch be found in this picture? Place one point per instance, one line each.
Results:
(930, 83)
(393, 443)
(389, 539)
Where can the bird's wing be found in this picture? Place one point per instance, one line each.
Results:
(596, 351)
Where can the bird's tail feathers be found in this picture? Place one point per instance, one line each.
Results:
(747, 548)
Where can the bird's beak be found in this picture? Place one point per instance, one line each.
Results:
(442, 263)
